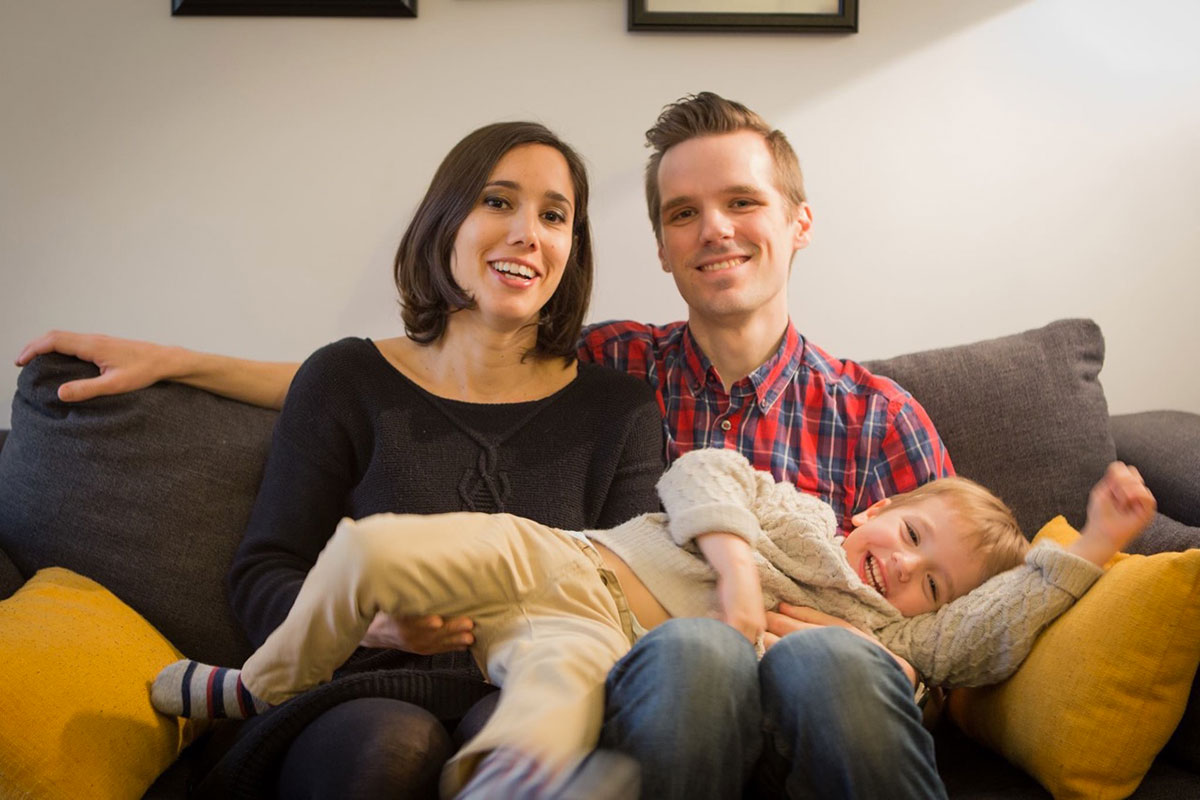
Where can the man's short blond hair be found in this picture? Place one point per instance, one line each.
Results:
(992, 531)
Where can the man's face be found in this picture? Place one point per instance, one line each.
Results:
(728, 234)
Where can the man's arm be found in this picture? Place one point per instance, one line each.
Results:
(127, 365)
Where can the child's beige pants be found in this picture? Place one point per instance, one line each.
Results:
(550, 622)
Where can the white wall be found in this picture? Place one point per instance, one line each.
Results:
(239, 185)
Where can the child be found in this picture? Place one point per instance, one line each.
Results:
(554, 610)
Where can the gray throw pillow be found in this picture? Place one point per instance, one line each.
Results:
(147, 493)
(1024, 415)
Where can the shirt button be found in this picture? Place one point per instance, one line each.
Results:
(726, 424)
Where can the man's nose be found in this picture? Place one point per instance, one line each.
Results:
(717, 226)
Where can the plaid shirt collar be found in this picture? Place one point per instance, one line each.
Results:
(766, 383)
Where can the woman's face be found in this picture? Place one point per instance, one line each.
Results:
(511, 250)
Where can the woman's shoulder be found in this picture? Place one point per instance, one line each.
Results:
(349, 371)
(597, 378)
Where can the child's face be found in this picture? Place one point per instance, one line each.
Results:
(915, 555)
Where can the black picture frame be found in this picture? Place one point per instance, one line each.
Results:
(737, 21)
(295, 8)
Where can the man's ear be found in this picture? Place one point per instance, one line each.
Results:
(803, 221)
(662, 260)
(870, 512)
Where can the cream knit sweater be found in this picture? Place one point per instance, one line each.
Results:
(977, 639)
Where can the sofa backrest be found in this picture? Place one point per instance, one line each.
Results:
(1024, 415)
(147, 493)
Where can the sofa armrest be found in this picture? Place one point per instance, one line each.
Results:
(1165, 447)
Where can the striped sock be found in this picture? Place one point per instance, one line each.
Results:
(191, 689)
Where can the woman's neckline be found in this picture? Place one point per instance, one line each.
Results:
(442, 398)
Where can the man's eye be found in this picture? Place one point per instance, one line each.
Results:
(912, 534)
(686, 213)
(742, 203)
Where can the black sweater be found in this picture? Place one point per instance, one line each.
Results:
(356, 437)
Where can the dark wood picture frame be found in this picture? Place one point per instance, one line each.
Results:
(295, 8)
(735, 21)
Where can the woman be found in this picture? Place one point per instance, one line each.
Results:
(481, 406)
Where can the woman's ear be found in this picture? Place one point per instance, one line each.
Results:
(870, 512)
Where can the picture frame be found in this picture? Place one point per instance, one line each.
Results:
(744, 16)
(295, 8)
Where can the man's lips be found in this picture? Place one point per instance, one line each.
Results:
(722, 263)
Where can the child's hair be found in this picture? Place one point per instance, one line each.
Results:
(991, 529)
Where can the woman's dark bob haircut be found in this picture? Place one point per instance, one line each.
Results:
(428, 291)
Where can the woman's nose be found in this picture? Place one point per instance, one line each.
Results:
(523, 231)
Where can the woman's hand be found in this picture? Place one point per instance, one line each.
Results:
(739, 590)
(424, 636)
(789, 619)
(125, 365)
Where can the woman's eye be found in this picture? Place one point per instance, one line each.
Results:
(491, 201)
(555, 216)
(912, 534)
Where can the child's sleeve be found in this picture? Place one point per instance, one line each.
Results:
(982, 637)
(711, 490)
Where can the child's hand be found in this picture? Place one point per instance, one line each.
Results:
(738, 588)
(1119, 508)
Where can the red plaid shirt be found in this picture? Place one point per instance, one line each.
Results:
(828, 426)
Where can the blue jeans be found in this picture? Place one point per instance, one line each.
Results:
(684, 702)
(834, 718)
(839, 721)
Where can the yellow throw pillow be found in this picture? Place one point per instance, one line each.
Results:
(75, 713)
(1105, 685)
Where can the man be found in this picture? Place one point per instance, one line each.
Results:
(726, 200)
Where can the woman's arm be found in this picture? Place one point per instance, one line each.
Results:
(127, 365)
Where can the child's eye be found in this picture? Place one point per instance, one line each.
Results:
(933, 590)
(912, 534)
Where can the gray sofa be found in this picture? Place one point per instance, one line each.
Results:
(148, 494)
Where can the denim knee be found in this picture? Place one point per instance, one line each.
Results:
(684, 702)
(840, 720)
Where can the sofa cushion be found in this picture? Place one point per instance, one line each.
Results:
(75, 713)
(1105, 685)
(147, 493)
(1165, 447)
(1024, 415)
